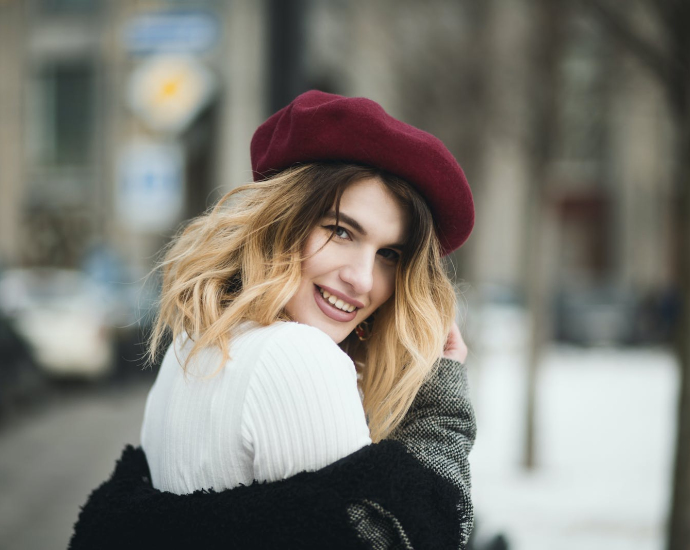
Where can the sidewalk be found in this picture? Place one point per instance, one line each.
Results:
(55, 456)
(605, 439)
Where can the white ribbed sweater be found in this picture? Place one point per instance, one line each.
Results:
(286, 401)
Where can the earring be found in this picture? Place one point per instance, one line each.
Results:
(363, 330)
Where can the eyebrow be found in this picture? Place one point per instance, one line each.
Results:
(358, 227)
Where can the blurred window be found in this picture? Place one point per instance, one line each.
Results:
(63, 114)
(583, 115)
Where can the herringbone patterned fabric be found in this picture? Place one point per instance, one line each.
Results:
(439, 430)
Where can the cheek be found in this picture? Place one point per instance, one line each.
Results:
(321, 262)
(314, 242)
(313, 252)
(384, 286)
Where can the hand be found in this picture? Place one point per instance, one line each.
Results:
(455, 347)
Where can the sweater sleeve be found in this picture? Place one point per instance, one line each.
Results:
(440, 429)
(302, 408)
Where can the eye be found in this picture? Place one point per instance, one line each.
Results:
(389, 255)
(338, 231)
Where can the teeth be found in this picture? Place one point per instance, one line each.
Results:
(337, 302)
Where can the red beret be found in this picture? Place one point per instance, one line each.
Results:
(320, 126)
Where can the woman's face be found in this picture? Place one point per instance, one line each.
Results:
(356, 269)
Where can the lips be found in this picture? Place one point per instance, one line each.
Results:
(331, 311)
(344, 297)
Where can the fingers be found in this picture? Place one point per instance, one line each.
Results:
(455, 347)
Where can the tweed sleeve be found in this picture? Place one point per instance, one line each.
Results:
(439, 430)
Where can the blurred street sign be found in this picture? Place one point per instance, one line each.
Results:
(167, 92)
(177, 31)
(150, 195)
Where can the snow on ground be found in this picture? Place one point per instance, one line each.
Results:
(605, 438)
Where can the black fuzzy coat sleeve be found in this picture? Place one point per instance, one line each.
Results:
(380, 497)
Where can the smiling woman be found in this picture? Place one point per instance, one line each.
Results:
(279, 242)
(314, 347)
(350, 268)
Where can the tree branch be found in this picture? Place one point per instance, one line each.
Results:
(674, 16)
(649, 54)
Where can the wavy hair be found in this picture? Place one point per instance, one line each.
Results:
(241, 260)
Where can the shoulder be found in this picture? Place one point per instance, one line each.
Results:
(299, 333)
(292, 330)
(297, 340)
(289, 345)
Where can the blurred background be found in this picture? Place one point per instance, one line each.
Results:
(120, 119)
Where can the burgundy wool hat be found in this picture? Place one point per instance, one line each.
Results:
(318, 126)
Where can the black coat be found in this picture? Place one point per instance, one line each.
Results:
(409, 491)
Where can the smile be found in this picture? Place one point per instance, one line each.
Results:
(337, 302)
(333, 307)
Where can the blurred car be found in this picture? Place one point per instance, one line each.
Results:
(64, 316)
(136, 295)
(598, 316)
(20, 379)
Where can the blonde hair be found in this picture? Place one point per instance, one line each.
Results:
(241, 260)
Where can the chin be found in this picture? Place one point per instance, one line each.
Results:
(306, 313)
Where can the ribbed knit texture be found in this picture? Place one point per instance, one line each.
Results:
(287, 401)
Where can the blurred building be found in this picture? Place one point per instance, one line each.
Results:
(81, 159)
(466, 71)
(76, 151)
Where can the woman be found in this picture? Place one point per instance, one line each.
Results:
(321, 280)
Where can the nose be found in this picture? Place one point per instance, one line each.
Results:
(358, 272)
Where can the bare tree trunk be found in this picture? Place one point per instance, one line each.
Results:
(679, 520)
(544, 94)
(674, 18)
(669, 62)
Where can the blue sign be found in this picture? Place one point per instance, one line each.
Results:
(150, 194)
(178, 31)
